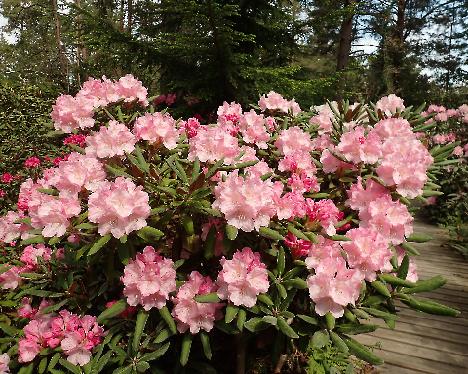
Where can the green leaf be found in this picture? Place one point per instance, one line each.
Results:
(256, 324)
(404, 267)
(53, 361)
(26, 369)
(231, 232)
(330, 320)
(395, 281)
(320, 339)
(310, 320)
(113, 311)
(69, 366)
(355, 328)
(85, 226)
(338, 342)
(166, 316)
(99, 244)
(270, 233)
(205, 340)
(241, 317)
(208, 298)
(285, 328)
(419, 238)
(156, 354)
(381, 288)
(299, 234)
(123, 370)
(142, 366)
(280, 261)
(265, 299)
(187, 223)
(298, 283)
(142, 317)
(54, 307)
(410, 249)
(141, 159)
(362, 352)
(379, 313)
(150, 234)
(42, 365)
(185, 351)
(118, 172)
(33, 240)
(426, 285)
(231, 313)
(7, 329)
(340, 238)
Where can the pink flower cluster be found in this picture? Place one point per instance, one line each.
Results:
(323, 118)
(7, 178)
(78, 172)
(70, 113)
(390, 104)
(323, 212)
(247, 203)
(10, 228)
(299, 247)
(293, 140)
(4, 363)
(243, 278)
(32, 162)
(26, 310)
(368, 251)
(444, 138)
(168, 99)
(190, 126)
(274, 101)
(157, 128)
(76, 336)
(149, 279)
(109, 141)
(211, 144)
(190, 314)
(358, 147)
(334, 286)
(378, 211)
(253, 129)
(76, 139)
(118, 207)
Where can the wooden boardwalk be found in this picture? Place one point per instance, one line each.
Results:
(423, 343)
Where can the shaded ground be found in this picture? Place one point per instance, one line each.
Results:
(422, 343)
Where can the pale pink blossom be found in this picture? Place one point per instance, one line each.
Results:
(253, 130)
(259, 169)
(118, 207)
(190, 314)
(274, 101)
(302, 183)
(333, 286)
(323, 118)
(70, 113)
(247, 203)
(463, 112)
(322, 250)
(299, 162)
(457, 151)
(98, 93)
(9, 276)
(109, 141)
(331, 164)
(323, 212)
(322, 142)
(34, 339)
(131, 89)
(299, 247)
(360, 198)
(4, 363)
(10, 227)
(78, 172)
(212, 144)
(243, 278)
(229, 114)
(149, 279)
(157, 128)
(390, 128)
(293, 140)
(390, 104)
(367, 251)
(358, 147)
(52, 214)
(32, 252)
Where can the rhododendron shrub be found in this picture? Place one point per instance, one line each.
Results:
(165, 245)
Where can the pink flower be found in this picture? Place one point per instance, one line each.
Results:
(293, 140)
(149, 279)
(357, 147)
(322, 142)
(77, 139)
(7, 178)
(247, 203)
(299, 162)
(32, 252)
(4, 362)
(32, 162)
(118, 207)
(331, 164)
(258, 170)
(157, 128)
(324, 212)
(10, 228)
(299, 247)
(274, 101)
(27, 311)
(212, 144)
(302, 183)
(290, 205)
(191, 127)
(463, 112)
(131, 89)
(390, 104)
(191, 315)
(10, 278)
(243, 278)
(322, 250)
(2, 193)
(97, 93)
(393, 128)
(78, 172)
(368, 251)
(252, 127)
(390, 218)
(458, 151)
(323, 118)
(51, 213)
(113, 140)
(34, 340)
(229, 114)
(171, 98)
(71, 113)
(360, 198)
(333, 286)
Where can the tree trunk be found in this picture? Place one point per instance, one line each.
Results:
(397, 46)
(346, 36)
(130, 16)
(58, 39)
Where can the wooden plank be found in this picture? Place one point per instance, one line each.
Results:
(436, 329)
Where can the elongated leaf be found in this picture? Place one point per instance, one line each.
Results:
(410, 249)
(338, 342)
(264, 298)
(167, 317)
(141, 159)
(354, 328)
(185, 351)
(428, 306)
(270, 233)
(281, 261)
(285, 328)
(231, 313)
(340, 238)
(308, 319)
(256, 324)
(113, 311)
(381, 288)
(156, 354)
(320, 339)
(419, 238)
(299, 234)
(142, 317)
(205, 340)
(298, 283)
(362, 352)
(379, 313)
(426, 285)
(404, 267)
(208, 298)
(69, 366)
(99, 244)
(150, 234)
(330, 320)
(241, 317)
(395, 281)
(231, 232)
